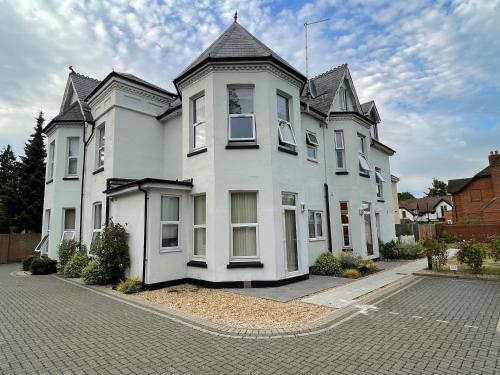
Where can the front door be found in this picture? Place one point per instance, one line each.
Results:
(290, 232)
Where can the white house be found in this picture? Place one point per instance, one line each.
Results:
(425, 210)
(242, 177)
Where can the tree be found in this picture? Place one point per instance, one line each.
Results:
(405, 195)
(438, 188)
(32, 181)
(9, 173)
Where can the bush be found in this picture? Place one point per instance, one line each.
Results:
(67, 249)
(471, 253)
(352, 273)
(43, 266)
(112, 251)
(495, 248)
(388, 250)
(367, 266)
(27, 262)
(130, 286)
(326, 264)
(349, 261)
(76, 264)
(93, 272)
(446, 237)
(438, 251)
(407, 250)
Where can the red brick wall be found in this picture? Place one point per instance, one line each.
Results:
(467, 232)
(466, 204)
(15, 247)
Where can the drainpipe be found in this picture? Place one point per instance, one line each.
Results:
(144, 252)
(328, 224)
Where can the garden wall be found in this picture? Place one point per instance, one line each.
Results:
(467, 232)
(14, 247)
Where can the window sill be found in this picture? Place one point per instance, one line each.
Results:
(236, 146)
(197, 263)
(381, 200)
(49, 181)
(200, 151)
(245, 265)
(364, 175)
(99, 170)
(287, 150)
(347, 249)
(316, 239)
(313, 160)
(341, 173)
(70, 178)
(171, 250)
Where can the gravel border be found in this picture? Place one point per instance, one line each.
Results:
(461, 276)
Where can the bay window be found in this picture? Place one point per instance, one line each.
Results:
(199, 225)
(312, 146)
(241, 114)
(344, 220)
(315, 222)
(198, 122)
(244, 224)
(285, 129)
(69, 224)
(73, 151)
(169, 223)
(340, 149)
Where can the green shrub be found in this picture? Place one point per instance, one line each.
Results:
(130, 285)
(326, 264)
(66, 250)
(112, 251)
(410, 250)
(367, 266)
(93, 272)
(447, 237)
(27, 261)
(352, 273)
(471, 253)
(495, 248)
(75, 265)
(43, 266)
(348, 261)
(388, 250)
(438, 251)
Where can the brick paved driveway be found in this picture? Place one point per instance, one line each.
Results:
(435, 326)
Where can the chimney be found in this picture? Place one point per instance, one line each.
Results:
(494, 159)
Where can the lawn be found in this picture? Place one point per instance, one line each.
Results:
(489, 267)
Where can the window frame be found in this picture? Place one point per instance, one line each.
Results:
(196, 124)
(343, 99)
(244, 225)
(51, 163)
(346, 225)
(64, 229)
(315, 214)
(311, 144)
(68, 157)
(245, 115)
(177, 248)
(362, 155)
(98, 145)
(282, 122)
(340, 149)
(379, 179)
(199, 226)
(96, 233)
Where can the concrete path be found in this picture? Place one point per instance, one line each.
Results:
(347, 294)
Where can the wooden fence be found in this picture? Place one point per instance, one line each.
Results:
(421, 232)
(14, 247)
(467, 232)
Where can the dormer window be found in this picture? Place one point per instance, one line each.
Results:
(285, 129)
(241, 115)
(342, 98)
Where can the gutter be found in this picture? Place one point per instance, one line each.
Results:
(145, 239)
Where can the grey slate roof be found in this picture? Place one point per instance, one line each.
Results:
(237, 42)
(72, 114)
(457, 185)
(327, 85)
(83, 85)
(365, 107)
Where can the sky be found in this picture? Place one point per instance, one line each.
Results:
(432, 67)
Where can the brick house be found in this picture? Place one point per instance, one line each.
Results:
(477, 199)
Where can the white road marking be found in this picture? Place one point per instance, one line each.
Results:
(416, 317)
(498, 325)
(468, 326)
(393, 313)
(442, 321)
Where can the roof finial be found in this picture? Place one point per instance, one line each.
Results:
(236, 16)
(71, 69)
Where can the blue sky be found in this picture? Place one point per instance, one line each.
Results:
(432, 67)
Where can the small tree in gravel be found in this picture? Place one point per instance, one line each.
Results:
(437, 253)
(471, 254)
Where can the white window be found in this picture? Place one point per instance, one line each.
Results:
(315, 225)
(170, 223)
(312, 146)
(200, 225)
(342, 98)
(363, 163)
(69, 224)
(73, 151)
(285, 129)
(199, 123)
(374, 131)
(340, 149)
(244, 224)
(96, 220)
(50, 166)
(43, 245)
(101, 136)
(379, 179)
(241, 114)
(344, 220)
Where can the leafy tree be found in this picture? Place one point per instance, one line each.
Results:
(438, 188)
(405, 195)
(9, 173)
(32, 181)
